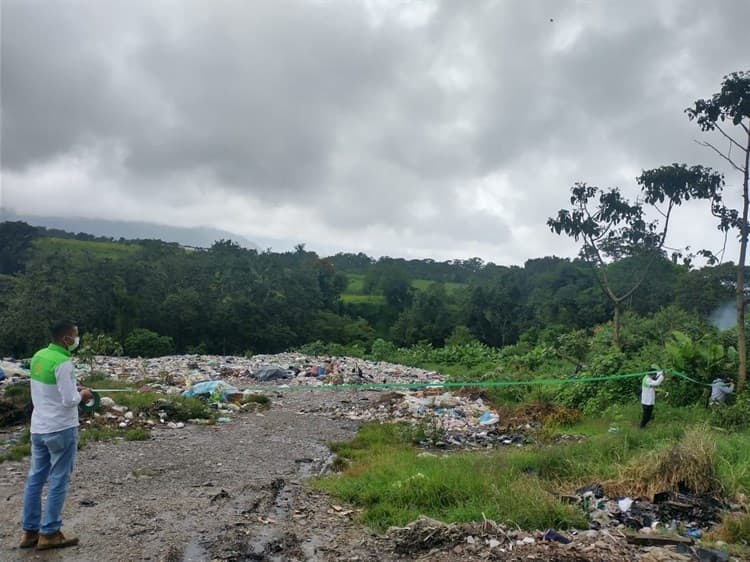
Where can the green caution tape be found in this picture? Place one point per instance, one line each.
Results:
(436, 384)
(448, 384)
(464, 384)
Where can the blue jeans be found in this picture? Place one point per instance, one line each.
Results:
(52, 457)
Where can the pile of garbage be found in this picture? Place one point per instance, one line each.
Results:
(431, 539)
(674, 511)
(292, 369)
(13, 371)
(449, 420)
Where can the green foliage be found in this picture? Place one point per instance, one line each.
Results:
(17, 452)
(226, 300)
(734, 529)
(703, 359)
(183, 408)
(200, 349)
(262, 401)
(137, 434)
(18, 393)
(382, 350)
(108, 250)
(145, 343)
(16, 239)
(20, 450)
(90, 434)
(383, 473)
(396, 485)
(461, 335)
(734, 417)
(100, 344)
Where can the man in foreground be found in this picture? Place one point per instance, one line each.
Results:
(648, 395)
(54, 438)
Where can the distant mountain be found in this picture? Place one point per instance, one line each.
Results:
(199, 236)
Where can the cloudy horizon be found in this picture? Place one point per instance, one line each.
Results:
(417, 129)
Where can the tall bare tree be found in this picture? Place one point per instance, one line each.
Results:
(611, 228)
(727, 112)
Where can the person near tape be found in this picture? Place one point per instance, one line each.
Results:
(721, 388)
(54, 438)
(648, 395)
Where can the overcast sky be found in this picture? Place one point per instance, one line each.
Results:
(406, 127)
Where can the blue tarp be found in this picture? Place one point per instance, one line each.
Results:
(210, 388)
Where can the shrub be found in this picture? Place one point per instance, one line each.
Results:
(382, 350)
(181, 408)
(734, 529)
(137, 434)
(200, 349)
(100, 344)
(735, 417)
(145, 343)
(461, 335)
(690, 464)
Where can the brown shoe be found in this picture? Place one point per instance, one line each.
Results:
(29, 539)
(55, 540)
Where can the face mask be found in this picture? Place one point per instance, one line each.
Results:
(75, 343)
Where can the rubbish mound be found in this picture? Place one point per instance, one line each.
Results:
(448, 420)
(668, 510)
(429, 539)
(425, 534)
(292, 369)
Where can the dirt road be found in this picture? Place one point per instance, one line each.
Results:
(227, 492)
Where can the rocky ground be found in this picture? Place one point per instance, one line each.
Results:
(239, 492)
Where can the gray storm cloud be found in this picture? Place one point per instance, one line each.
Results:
(354, 124)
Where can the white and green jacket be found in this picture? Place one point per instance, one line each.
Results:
(53, 391)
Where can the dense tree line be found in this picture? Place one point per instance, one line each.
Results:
(227, 299)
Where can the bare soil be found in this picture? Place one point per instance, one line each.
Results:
(237, 492)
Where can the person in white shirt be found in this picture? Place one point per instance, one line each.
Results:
(648, 395)
(720, 389)
(54, 439)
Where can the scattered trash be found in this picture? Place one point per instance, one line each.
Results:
(552, 535)
(272, 374)
(712, 555)
(595, 489)
(214, 389)
(488, 418)
(693, 533)
(624, 504)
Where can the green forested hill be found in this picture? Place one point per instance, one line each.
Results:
(228, 299)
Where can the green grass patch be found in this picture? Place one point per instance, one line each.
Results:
(137, 434)
(89, 434)
(103, 381)
(395, 484)
(183, 408)
(263, 402)
(137, 401)
(355, 283)
(112, 250)
(424, 284)
(363, 299)
(384, 473)
(16, 452)
(18, 393)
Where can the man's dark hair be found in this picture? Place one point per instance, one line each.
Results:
(59, 329)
